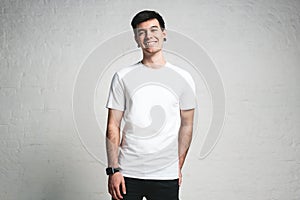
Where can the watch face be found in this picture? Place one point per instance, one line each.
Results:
(109, 171)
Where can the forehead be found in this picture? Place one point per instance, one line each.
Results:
(148, 24)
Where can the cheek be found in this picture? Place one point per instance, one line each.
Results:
(140, 39)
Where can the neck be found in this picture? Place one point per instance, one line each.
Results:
(156, 60)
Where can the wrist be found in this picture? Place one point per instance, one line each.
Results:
(112, 170)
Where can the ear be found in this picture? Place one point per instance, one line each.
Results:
(136, 40)
(164, 33)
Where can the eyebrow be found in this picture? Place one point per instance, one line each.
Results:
(142, 29)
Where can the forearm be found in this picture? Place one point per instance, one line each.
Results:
(184, 141)
(112, 146)
(113, 137)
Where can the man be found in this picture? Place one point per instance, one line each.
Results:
(156, 102)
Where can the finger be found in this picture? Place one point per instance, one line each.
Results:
(118, 193)
(110, 190)
(123, 187)
(114, 195)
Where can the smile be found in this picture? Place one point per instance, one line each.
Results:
(150, 43)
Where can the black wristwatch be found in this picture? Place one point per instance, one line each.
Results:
(110, 170)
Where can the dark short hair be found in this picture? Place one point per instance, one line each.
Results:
(145, 15)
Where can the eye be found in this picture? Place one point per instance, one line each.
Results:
(140, 33)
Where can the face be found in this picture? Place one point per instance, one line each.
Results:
(149, 36)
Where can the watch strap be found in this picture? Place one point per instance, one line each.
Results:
(111, 170)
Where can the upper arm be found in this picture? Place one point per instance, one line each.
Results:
(114, 118)
(116, 97)
(187, 117)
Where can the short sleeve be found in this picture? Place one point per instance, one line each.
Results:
(116, 96)
(188, 96)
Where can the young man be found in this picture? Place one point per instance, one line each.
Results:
(156, 101)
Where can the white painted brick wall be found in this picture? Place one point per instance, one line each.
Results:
(255, 45)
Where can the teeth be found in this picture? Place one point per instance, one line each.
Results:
(150, 43)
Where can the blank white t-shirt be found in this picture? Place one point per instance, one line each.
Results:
(151, 100)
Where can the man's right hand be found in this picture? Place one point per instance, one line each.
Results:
(116, 182)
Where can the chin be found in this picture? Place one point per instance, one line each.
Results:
(152, 50)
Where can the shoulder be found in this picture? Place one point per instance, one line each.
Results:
(125, 70)
(182, 72)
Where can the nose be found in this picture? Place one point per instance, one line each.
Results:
(149, 34)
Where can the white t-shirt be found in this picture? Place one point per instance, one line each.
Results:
(151, 100)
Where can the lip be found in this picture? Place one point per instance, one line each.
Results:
(150, 43)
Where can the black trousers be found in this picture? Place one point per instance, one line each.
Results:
(136, 189)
